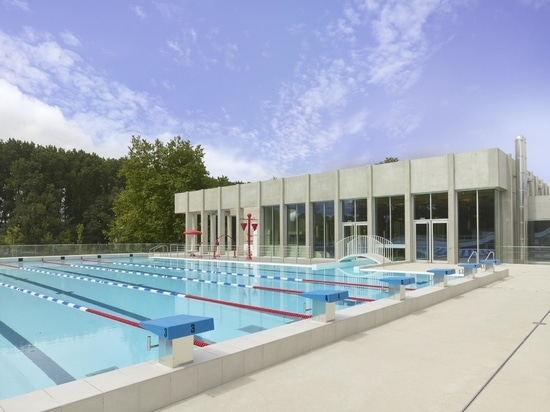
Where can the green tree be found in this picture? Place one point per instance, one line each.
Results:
(13, 235)
(37, 195)
(79, 233)
(153, 173)
(91, 186)
(47, 191)
(388, 160)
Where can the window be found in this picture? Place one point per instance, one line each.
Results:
(476, 224)
(431, 206)
(538, 235)
(323, 229)
(296, 224)
(354, 210)
(390, 222)
(271, 225)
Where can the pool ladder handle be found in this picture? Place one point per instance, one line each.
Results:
(149, 346)
(306, 309)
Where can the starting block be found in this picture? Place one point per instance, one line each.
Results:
(396, 284)
(490, 264)
(440, 275)
(176, 336)
(324, 303)
(470, 268)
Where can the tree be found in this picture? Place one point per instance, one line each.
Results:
(154, 173)
(47, 191)
(389, 160)
(13, 235)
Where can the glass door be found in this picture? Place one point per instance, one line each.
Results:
(439, 241)
(349, 229)
(422, 241)
(431, 240)
(355, 229)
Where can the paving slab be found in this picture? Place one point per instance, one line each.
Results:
(486, 350)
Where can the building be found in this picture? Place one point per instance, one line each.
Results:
(451, 208)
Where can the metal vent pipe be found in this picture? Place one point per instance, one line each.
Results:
(522, 194)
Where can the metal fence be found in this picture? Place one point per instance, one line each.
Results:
(263, 253)
(287, 254)
(73, 249)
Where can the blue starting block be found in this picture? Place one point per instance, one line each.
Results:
(324, 303)
(399, 280)
(470, 268)
(440, 275)
(396, 284)
(490, 263)
(176, 336)
(448, 271)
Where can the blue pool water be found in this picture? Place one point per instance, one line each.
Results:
(49, 335)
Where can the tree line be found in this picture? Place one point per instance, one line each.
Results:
(51, 195)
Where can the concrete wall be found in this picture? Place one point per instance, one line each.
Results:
(467, 171)
(354, 183)
(539, 207)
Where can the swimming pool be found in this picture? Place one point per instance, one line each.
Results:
(65, 319)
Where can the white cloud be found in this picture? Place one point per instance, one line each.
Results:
(399, 121)
(182, 48)
(396, 62)
(139, 12)
(19, 4)
(237, 165)
(70, 39)
(55, 97)
(27, 118)
(536, 4)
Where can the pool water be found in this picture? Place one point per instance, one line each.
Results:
(62, 320)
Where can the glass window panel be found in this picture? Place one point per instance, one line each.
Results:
(323, 229)
(398, 220)
(361, 208)
(348, 210)
(440, 206)
(486, 205)
(538, 238)
(296, 224)
(354, 210)
(469, 203)
(382, 219)
(390, 222)
(271, 225)
(422, 206)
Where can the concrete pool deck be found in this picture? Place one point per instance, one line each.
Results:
(485, 350)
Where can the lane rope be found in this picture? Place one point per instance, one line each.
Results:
(84, 308)
(170, 293)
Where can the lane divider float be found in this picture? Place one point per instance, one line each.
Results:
(172, 293)
(83, 308)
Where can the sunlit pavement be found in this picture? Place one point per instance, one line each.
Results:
(487, 350)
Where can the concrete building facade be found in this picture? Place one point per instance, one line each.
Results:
(450, 208)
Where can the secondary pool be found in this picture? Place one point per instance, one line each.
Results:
(63, 319)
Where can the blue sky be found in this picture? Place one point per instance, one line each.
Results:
(279, 88)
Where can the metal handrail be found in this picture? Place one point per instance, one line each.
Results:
(376, 246)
